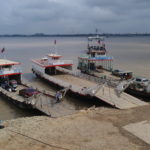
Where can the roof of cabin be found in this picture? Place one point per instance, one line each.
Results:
(47, 64)
(4, 62)
(96, 38)
(53, 55)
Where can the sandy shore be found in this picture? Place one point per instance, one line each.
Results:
(93, 129)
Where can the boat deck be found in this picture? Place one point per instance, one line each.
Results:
(14, 95)
(106, 94)
(100, 73)
(79, 82)
(43, 102)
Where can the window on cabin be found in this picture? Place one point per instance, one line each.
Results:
(8, 67)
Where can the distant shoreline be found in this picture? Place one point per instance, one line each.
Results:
(77, 35)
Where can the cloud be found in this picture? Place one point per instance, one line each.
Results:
(69, 16)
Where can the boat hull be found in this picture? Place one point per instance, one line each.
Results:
(140, 94)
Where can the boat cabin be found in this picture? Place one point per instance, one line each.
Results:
(96, 58)
(9, 70)
(49, 63)
(87, 64)
(96, 46)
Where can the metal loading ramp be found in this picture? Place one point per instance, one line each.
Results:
(53, 109)
(123, 101)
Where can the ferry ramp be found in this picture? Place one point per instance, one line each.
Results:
(122, 101)
(53, 108)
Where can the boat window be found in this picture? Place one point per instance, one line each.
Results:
(7, 66)
(145, 80)
(138, 80)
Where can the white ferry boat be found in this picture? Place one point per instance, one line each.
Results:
(10, 72)
(26, 95)
(48, 64)
(57, 71)
(96, 61)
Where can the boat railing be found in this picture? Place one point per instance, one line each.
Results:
(103, 79)
(54, 62)
(89, 77)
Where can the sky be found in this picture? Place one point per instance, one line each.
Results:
(74, 16)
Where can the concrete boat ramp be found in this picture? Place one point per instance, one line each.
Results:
(88, 86)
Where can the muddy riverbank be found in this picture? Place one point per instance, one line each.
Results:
(93, 129)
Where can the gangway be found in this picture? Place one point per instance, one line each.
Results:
(122, 101)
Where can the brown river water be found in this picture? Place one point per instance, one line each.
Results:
(130, 53)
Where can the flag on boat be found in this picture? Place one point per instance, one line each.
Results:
(55, 42)
(2, 50)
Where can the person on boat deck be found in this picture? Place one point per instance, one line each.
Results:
(58, 97)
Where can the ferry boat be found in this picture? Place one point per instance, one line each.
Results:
(58, 71)
(48, 64)
(96, 61)
(12, 87)
(10, 72)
